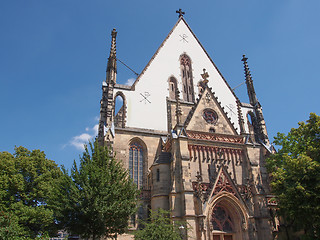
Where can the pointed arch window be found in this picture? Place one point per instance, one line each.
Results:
(136, 163)
(172, 87)
(119, 110)
(221, 219)
(252, 125)
(187, 79)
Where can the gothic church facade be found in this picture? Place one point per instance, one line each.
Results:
(189, 143)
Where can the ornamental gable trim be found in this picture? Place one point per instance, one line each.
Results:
(195, 135)
(224, 183)
(209, 116)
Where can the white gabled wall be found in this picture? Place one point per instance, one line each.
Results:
(154, 81)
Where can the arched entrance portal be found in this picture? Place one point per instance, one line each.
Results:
(227, 218)
(222, 224)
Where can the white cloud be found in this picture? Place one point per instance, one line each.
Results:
(95, 129)
(130, 81)
(80, 140)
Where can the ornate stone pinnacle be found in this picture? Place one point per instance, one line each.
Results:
(241, 121)
(251, 92)
(178, 107)
(112, 60)
(113, 50)
(246, 68)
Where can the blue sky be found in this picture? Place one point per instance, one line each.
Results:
(53, 60)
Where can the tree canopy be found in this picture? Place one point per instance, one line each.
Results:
(295, 176)
(160, 227)
(27, 182)
(98, 197)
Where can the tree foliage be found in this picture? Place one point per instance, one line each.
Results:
(9, 227)
(98, 197)
(160, 227)
(27, 181)
(295, 174)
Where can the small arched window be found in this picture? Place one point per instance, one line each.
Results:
(212, 130)
(158, 175)
(172, 87)
(187, 79)
(136, 163)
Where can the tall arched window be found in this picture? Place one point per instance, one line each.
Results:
(136, 163)
(172, 87)
(119, 110)
(187, 79)
(252, 125)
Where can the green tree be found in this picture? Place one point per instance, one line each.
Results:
(9, 227)
(295, 176)
(27, 182)
(98, 197)
(160, 227)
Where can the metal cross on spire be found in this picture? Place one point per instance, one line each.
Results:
(180, 13)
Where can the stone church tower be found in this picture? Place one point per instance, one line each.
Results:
(189, 143)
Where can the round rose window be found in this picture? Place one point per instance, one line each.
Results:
(210, 116)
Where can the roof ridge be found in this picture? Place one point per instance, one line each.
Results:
(156, 53)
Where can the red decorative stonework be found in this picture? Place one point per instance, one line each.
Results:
(215, 137)
(245, 191)
(201, 190)
(223, 184)
(202, 186)
(185, 60)
(215, 153)
(271, 201)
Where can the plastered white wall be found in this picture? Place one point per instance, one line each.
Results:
(153, 84)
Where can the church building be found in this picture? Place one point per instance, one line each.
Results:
(189, 144)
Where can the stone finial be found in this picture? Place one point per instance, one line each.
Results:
(112, 60)
(251, 92)
(204, 82)
(261, 130)
(113, 49)
(240, 117)
(205, 76)
(199, 177)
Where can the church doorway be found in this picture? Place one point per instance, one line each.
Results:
(226, 219)
(222, 223)
(223, 236)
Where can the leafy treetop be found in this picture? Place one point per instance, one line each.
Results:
(98, 197)
(160, 227)
(295, 174)
(27, 183)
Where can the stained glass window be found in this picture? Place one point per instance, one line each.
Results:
(187, 79)
(210, 116)
(221, 220)
(136, 163)
(172, 87)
